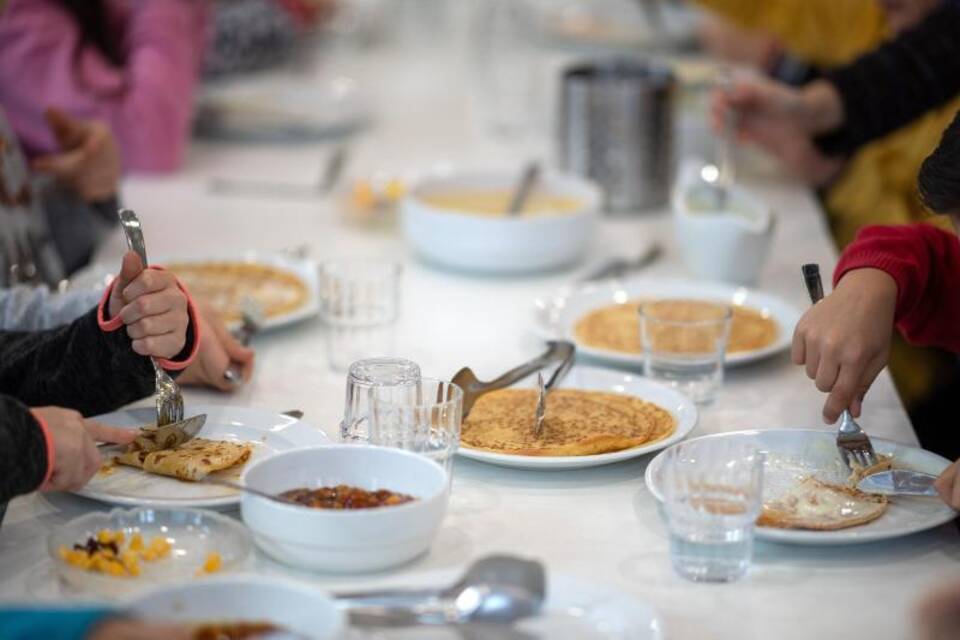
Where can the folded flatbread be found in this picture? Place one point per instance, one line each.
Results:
(192, 461)
(576, 423)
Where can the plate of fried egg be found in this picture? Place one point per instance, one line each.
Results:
(810, 496)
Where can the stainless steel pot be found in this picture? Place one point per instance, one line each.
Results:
(616, 128)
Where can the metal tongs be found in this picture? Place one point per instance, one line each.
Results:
(560, 351)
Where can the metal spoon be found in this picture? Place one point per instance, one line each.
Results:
(245, 489)
(531, 173)
(497, 589)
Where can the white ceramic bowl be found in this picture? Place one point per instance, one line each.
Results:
(500, 245)
(291, 605)
(359, 540)
(192, 533)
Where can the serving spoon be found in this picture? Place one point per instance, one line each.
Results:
(497, 589)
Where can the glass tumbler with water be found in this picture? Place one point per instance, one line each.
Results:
(360, 304)
(365, 380)
(424, 418)
(713, 493)
(684, 343)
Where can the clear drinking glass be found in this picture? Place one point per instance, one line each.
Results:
(684, 343)
(713, 491)
(366, 379)
(359, 303)
(423, 418)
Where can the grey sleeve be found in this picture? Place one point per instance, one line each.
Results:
(25, 308)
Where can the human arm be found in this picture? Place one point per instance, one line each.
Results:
(896, 83)
(906, 276)
(97, 362)
(147, 101)
(49, 448)
(88, 159)
(25, 308)
(856, 103)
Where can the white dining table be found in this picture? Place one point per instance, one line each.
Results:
(600, 525)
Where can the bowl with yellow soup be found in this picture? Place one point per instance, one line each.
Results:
(460, 222)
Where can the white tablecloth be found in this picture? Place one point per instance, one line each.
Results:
(600, 524)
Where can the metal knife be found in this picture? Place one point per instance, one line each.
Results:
(899, 482)
(169, 435)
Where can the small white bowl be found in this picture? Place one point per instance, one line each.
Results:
(192, 533)
(349, 541)
(500, 245)
(293, 606)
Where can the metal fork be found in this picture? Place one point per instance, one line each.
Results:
(169, 398)
(852, 441)
(251, 320)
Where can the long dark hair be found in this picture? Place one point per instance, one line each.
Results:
(91, 16)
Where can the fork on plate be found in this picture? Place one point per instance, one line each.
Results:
(852, 441)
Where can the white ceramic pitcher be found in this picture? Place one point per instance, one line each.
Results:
(729, 244)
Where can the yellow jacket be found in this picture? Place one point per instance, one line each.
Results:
(878, 184)
(823, 32)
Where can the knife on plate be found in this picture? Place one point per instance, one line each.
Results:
(168, 436)
(899, 482)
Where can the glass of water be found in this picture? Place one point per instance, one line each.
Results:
(366, 379)
(713, 491)
(423, 418)
(684, 344)
(360, 304)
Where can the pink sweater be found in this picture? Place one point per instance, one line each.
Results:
(148, 102)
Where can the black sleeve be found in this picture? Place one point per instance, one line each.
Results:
(897, 82)
(77, 366)
(23, 450)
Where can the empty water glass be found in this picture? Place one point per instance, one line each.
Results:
(423, 418)
(713, 492)
(684, 343)
(359, 303)
(366, 379)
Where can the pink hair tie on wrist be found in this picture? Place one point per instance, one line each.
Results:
(51, 453)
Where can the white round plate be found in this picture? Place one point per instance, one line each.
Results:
(306, 270)
(296, 607)
(556, 315)
(278, 109)
(269, 433)
(683, 410)
(793, 454)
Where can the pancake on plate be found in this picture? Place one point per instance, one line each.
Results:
(576, 423)
(194, 460)
(616, 327)
(225, 285)
(821, 506)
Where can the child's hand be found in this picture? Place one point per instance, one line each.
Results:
(844, 340)
(948, 485)
(89, 159)
(218, 349)
(153, 308)
(76, 458)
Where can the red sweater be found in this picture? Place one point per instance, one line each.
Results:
(925, 263)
